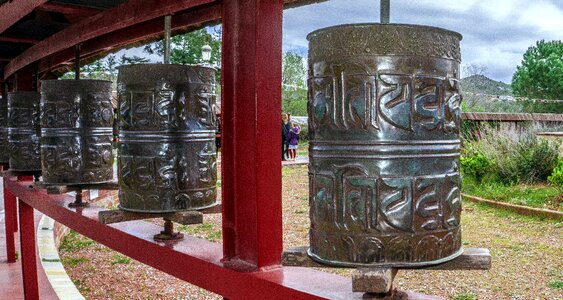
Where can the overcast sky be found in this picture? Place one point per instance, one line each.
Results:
(496, 33)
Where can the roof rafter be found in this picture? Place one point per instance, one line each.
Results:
(138, 32)
(19, 40)
(68, 9)
(122, 16)
(13, 11)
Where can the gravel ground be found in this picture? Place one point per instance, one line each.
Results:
(527, 257)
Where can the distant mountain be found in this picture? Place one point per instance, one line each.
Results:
(480, 84)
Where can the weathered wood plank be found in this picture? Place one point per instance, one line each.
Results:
(373, 280)
(471, 259)
(54, 189)
(118, 216)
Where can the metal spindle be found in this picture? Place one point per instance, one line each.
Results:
(167, 26)
(77, 62)
(385, 11)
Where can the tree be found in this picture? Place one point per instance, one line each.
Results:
(185, 49)
(128, 60)
(294, 88)
(541, 73)
(474, 69)
(105, 68)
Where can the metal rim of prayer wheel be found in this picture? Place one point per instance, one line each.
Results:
(384, 117)
(166, 153)
(24, 131)
(4, 148)
(76, 131)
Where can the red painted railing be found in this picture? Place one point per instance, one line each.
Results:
(247, 264)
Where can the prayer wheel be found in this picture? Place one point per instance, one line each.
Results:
(166, 156)
(384, 118)
(4, 149)
(76, 131)
(24, 131)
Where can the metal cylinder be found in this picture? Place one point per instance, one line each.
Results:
(24, 131)
(4, 148)
(76, 131)
(166, 156)
(384, 117)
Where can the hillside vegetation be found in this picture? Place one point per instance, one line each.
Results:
(480, 84)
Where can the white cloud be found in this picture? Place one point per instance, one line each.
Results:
(496, 32)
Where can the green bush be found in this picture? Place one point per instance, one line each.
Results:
(514, 156)
(537, 160)
(556, 177)
(475, 163)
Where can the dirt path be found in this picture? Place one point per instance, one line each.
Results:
(527, 257)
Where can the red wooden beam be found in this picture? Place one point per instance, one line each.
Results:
(19, 40)
(13, 11)
(29, 258)
(122, 16)
(132, 34)
(10, 219)
(193, 260)
(68, 9)
(251, 166)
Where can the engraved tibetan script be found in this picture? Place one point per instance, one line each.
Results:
(406, 102)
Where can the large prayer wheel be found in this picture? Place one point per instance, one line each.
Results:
(76, 131)
(384, 117)
(166, 158)
(4, 148)
(24, 131)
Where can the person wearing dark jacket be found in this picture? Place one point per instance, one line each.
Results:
(286, 126)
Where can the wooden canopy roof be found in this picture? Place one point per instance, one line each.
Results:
(42, 34)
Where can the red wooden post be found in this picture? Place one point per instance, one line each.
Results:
(29, 259)
(251, 109)
(26, 79)
(15, 207)
(10, 218)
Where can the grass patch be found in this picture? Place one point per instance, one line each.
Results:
(205, 230)
(73, 242)
(120, 260)
(538, 195)
(50, 260)
(556, 284)
(73, 262)
(465, 297)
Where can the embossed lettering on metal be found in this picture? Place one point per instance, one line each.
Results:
(4, 147)
(24, 131)
(166, 158)
(384, 116)
(76, 134)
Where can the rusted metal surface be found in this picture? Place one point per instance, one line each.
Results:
(76, 133)
(24, 131)
(384, 116)
(167, 159)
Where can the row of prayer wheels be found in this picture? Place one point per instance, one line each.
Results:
(166, 154)
(384, 118)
